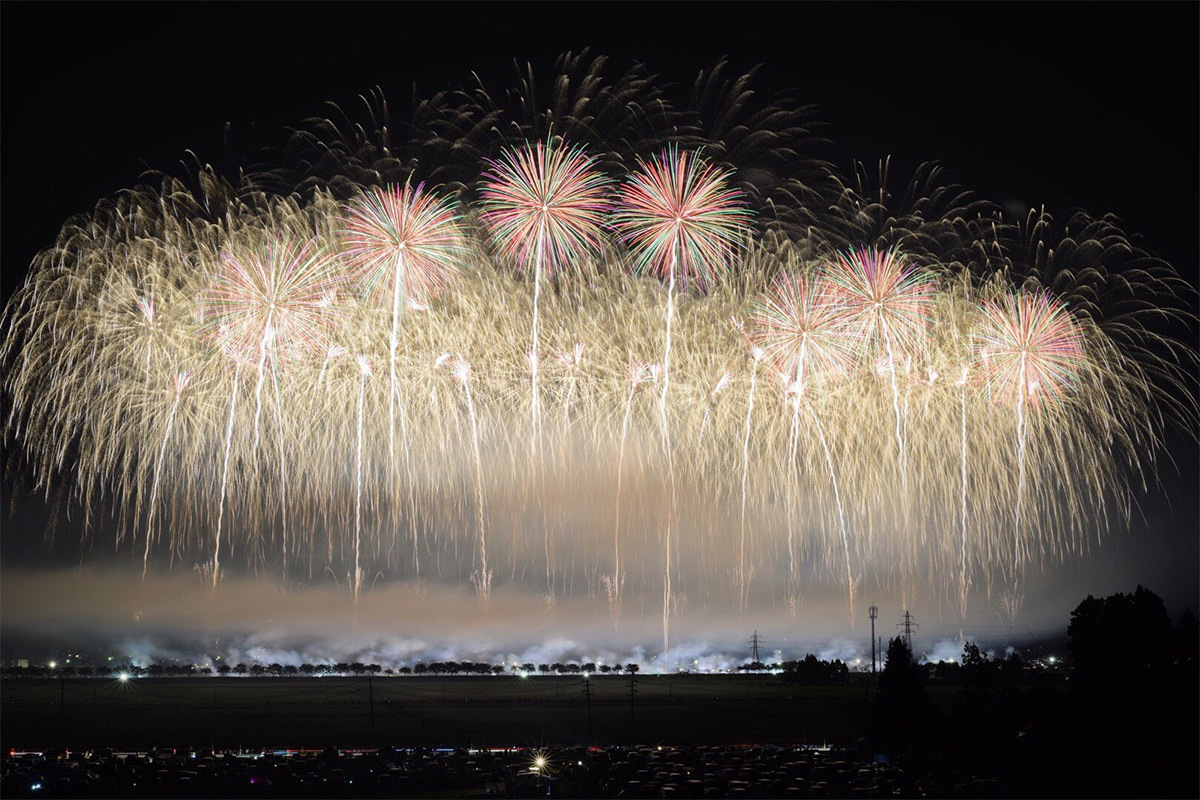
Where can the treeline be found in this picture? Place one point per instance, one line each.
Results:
(809, 671)
(315, 670)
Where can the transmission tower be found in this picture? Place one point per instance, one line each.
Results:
(754, 659)
(908, 625)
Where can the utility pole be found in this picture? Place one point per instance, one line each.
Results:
(754, 659)
(908, 626)
(874, 611)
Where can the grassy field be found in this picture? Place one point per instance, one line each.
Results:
(427, 711)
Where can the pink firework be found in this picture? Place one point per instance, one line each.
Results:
(680, 219)
(402, 237)
(1028, 349)
(800, 327)
(403, 244)
(544, 206)
(884, 299)
(270, 302)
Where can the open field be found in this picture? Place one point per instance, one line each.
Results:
(428, 711)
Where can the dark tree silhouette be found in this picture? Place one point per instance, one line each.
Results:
(1118, 638)
(1134, 703)
(901, 708)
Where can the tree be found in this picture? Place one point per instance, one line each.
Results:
(812, 671)
(1187, 642)
(632, 668)
(1119, 638)
(901, 704)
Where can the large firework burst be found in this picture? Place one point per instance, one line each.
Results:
(212, 377)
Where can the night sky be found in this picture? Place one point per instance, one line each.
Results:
(1062, 105)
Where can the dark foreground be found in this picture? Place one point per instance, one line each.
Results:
(1033, 734)
(351, 712)
(693, 772)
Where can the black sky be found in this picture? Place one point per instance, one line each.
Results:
(1068, 105)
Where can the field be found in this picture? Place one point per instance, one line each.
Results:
(427, 711)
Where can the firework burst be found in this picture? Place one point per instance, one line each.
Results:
(888, 303)
(405, 245)
(216, 380)
(543, 207)
(1029, 349)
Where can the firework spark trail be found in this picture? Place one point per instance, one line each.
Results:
(364, 372)
(550, 200)
(268, 335)
(179, 384)
(743, 587)
(283, 474)
(962, 568)
(415, 236)
(216, 562)
(535, 407)
(884, 297)
(837, 496)
(677, 216)
(573, 361)
(799, 325)
(721, 383)
(461, 370)
(1020, 505)
(639, 372)
(1031, 351)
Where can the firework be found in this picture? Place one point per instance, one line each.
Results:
(271, 300)
(802, 327)
(405, 245)
(1030, 353)
(682, 222)
(217, 382)
(884, 301)
(543, 207)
